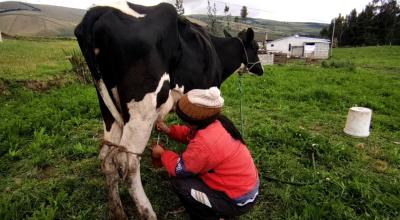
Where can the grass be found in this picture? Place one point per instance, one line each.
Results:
(48, 139)
(24, 60)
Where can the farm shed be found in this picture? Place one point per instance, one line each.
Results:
(302, 47)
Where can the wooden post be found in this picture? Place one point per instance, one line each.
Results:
(333, 34)
(1, 39)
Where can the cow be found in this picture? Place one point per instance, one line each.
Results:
(142, 60)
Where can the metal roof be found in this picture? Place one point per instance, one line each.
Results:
(305, 39)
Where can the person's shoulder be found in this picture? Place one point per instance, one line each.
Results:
(211, 133)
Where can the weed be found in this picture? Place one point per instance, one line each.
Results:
(79, 66)
(339, 64)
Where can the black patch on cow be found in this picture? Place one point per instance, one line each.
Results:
(163, 95)
(135, 52)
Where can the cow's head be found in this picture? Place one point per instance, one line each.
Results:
(250, 48)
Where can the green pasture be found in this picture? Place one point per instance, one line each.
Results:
(50, 129)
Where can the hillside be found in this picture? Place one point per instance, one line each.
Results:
(34, 20)
(275, 29)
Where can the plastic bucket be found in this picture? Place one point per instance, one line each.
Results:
(358, 122)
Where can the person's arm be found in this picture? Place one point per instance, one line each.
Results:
(196, 159)
(179, 133)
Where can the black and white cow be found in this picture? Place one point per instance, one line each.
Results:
(143, 59)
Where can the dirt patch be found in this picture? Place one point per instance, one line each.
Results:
(35, 85)
(44, 85)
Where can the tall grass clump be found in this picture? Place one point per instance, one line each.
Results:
(347, 64)
(79, 66)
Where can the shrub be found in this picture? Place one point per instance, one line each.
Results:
(79, 66)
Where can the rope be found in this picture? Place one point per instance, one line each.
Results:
(116, 148)
(247, 57)
(120, 148)
(241, 103)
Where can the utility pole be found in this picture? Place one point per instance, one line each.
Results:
(333, 34)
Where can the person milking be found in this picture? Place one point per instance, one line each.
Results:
(215, 177)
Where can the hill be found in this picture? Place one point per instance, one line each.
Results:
(34, 20)
(275, 29)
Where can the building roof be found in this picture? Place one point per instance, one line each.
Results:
(305, 39)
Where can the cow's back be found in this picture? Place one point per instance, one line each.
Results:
(132, 52)
(199, 66)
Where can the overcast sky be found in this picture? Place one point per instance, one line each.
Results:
(282, 10)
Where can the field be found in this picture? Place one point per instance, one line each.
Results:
(294, 115)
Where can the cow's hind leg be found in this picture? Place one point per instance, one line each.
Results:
(135, 136)
(137, 193)
(136, 133)
(110, 170)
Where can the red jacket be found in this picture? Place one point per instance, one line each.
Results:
(223, 163)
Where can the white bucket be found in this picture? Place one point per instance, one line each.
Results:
(358, 122)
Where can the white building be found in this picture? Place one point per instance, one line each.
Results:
(303, 47)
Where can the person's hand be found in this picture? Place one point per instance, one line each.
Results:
(156, 151)
(162, 127)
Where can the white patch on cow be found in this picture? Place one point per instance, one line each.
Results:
(174, 95)
(142, 114)
(115, 94)
(102, 88)
(123, 6)
(113, 135)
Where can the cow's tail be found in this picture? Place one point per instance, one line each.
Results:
(84, 35)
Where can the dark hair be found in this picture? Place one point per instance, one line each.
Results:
(201, 124)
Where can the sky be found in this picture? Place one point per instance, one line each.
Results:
(322, 11)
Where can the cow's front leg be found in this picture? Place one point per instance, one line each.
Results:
(110, 170)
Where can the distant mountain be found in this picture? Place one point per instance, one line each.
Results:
(34, 20)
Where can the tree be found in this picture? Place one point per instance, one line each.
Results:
(179, 7)
(378, 23)
(227, 17)
(243, 13)
(236, 19)
(212, 17)
(324, 32)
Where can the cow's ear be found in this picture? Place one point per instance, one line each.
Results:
(249, 35)
(227, 34)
